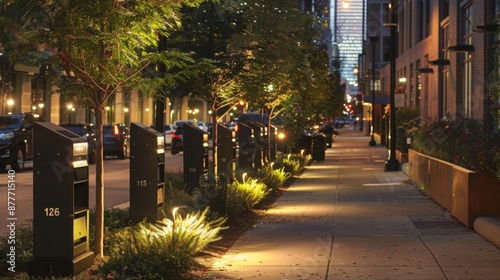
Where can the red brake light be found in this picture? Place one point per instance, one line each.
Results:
(176, 136)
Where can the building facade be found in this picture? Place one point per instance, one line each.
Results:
(24, 88)
(348, 27)
(446, 55)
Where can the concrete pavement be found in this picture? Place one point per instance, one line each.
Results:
(345, 218)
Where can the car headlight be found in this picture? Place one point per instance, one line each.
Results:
(6, 136)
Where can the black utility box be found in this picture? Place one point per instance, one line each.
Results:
(318, 147)
(60, 202)
(246, 147)
(305, 144)
(147, 173)
(226, 156)
(195, 156)
(260, 136)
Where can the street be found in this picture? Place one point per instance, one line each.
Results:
(116, 186)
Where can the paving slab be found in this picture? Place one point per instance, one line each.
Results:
(345, 218)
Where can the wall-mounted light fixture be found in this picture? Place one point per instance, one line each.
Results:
(439, 62)
(461, 48)
(487, 28)
(426, 70)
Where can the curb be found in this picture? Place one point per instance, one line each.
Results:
(489, 228)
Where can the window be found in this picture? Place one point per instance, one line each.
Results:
(444, 78)
(418, 85)
(37, 94)
(467, 19)
(427, 21)
(411, 86)
(411, 31)
(445, 8)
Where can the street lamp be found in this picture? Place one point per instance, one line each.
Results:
(392, 164)
(70, 108)
(373, 39)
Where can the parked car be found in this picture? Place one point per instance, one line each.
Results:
(182, 122)
(168, 131)
(16, 140)
(177, 140)
(87, 131)
(204, 126)
(115, 139)
(177, 137)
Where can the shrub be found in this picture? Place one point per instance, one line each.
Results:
(115, 219)
(175, 196)
(24, 247)
(406, 119)
(494, 108)
(273, 178)
(292, 163)
(463, 142)
(174, 179)
(169, 247)
(242, 197)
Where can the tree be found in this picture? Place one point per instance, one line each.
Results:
(206, 33)
(279, 42)
(91, 49)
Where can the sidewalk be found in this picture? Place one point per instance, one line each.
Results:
(345, 218)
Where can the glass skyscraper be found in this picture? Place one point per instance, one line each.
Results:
(348, 27)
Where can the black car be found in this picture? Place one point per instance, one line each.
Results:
(115, 138)
(86, 131)
(177, 142)
(16, 140)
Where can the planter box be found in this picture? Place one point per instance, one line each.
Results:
(465, 193)
(401, 157)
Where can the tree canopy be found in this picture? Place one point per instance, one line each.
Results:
(90, 49)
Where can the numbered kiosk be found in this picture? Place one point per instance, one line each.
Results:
(147, 173)
(195, 144)
(60, 203)
(260, 136)
(247, 148)
(226, 155)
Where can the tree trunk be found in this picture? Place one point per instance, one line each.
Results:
(215, 142)
(268, 124)
(99, 182)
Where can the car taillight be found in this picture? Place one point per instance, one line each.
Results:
(116, 131)
(176, 136)
(236, 128)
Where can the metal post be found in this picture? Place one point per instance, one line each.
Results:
(373, 39)
(392, 164)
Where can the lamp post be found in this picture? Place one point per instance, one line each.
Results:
(373, 40)
(70, 108)
(392, 164)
